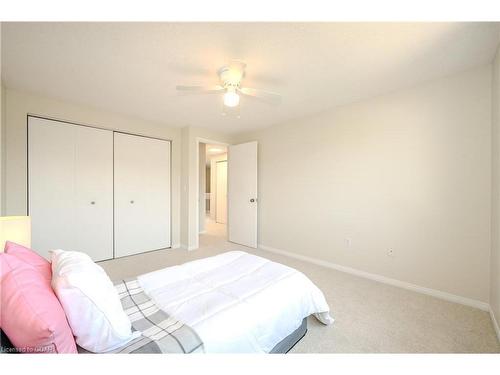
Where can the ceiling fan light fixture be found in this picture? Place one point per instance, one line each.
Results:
(230, 77)
(231, 98)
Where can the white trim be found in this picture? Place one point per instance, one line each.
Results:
(176, 246)
(495, 323)
(382, 279)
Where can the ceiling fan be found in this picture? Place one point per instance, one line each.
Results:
(230, 77)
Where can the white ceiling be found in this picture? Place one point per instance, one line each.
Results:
(133, 68)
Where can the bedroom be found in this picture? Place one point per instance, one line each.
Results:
(260, 187)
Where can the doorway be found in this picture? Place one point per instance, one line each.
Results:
(213, 190)
(227, 193)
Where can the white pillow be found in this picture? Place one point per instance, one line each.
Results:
(90, 301)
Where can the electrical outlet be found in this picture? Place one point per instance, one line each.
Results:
(348, 242)
(390, 253)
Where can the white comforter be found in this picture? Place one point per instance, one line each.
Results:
(237, 302)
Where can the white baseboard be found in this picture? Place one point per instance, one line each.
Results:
(386, 280)
(176, 246)
(495, 324)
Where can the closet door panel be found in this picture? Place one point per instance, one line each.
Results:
(51, 185)
(142, 194)
(70, 167)
(94, 192)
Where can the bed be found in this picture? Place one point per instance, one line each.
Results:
(234, 302)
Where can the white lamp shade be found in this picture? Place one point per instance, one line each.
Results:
(15, 229)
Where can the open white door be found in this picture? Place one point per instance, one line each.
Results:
(242, 194)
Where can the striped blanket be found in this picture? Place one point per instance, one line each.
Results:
(160, 333)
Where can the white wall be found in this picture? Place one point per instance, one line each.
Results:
(19, 104)
(495, 206)
(408, 171)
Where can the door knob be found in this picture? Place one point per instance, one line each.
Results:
(131, 202)
(252, 200)
(93, 202)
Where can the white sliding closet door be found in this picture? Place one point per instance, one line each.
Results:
(70, 188)
(142, 194)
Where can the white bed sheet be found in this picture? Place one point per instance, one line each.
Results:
(235, 301)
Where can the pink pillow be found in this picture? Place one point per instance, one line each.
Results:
(30, 257)
(31, 315)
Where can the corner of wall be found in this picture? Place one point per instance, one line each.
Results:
(494, 295)
(2, 107)
(3, 111)
(2, 148)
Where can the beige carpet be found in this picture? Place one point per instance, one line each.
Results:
(370, 317)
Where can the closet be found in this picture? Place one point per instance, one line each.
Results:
(142, 194)
(97, 191)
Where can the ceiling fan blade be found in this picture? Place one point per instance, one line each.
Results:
(200, 89)
(268, 96)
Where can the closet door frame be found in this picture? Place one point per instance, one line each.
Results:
(101, 128)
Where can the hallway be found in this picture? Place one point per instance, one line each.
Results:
(214, 232)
